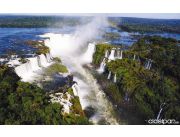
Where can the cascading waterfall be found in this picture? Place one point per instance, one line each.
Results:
(91, 95)
(43, 60)
(134, 58)
(28, 66)
(106, 54)
(121, 55)
(75, 89)
(148, 64)
(13, 57)
(118, 53)
(34, 63)
(111, 56)
(159, 114)
(115, 78)
(24, 71)
(39, 61)
(109, 75)
(48, 57)
(89, 92)
(102, 66)
(87, 56)
(161, 109)
(27, 70)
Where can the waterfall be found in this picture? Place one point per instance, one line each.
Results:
(111, 56)
(28, 66)
(159, 114)
(12, 62)
(109, 75)
(51, 57)
(39, 61)
(43, 60)
(160, 111)
(88, 55)
(13, 57)
(115, 78)
(48, 57)
(106, 54)
(121, 56)
(34, 63)
(148, 64)
(119, 53)
(29, 69)
(75, 89)
(134, 57)
(89, 92)
(24, 71)
(102, 66)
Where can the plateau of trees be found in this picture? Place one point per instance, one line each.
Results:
(141, 91)
(25, 103)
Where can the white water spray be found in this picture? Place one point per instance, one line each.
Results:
(102, 66)
(160, 111)
(109, 75)
(27, 71)
(111, 56)
(148, 64)
(106, 54)
(87, 57)
(69, 48)
(115, 78)
(134, 58)
(75, 89)
(121, 55)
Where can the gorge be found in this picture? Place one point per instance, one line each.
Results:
(87, 80)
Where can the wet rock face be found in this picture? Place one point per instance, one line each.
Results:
(58, 82)
(89, 111)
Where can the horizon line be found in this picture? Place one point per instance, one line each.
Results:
(169, 16)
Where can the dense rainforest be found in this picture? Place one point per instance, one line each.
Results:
(126, 24)
(24, 103)
(140, 91)
(143, 25)
(37, 21)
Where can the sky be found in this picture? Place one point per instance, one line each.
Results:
(151, 15)
(123, 8)
(138, 15)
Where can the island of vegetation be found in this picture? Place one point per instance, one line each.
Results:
(40, 46)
